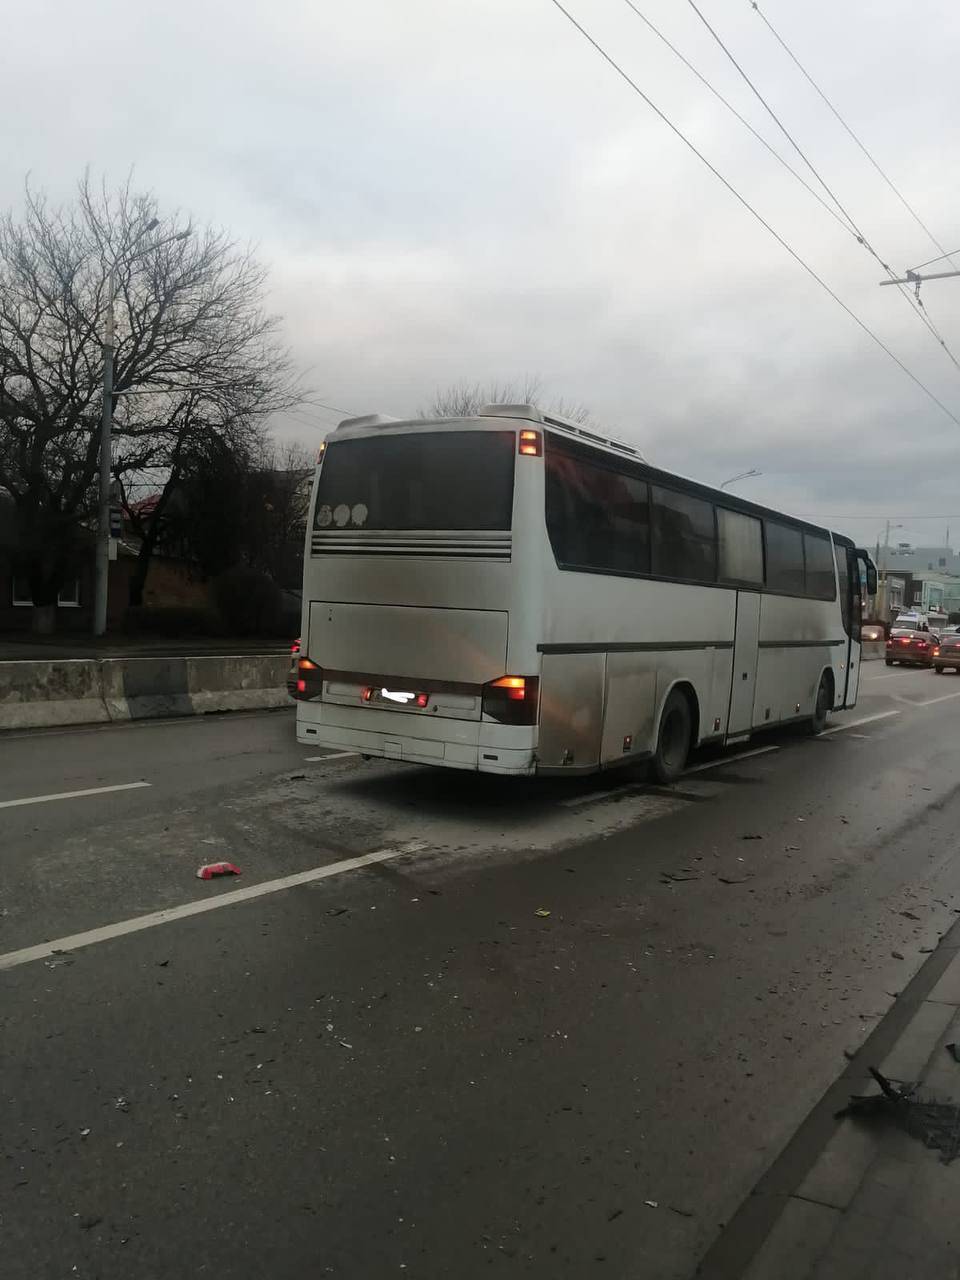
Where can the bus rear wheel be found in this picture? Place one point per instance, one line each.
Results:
(674, 738)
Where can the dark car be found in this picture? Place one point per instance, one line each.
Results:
(911, 647)
(947, 652)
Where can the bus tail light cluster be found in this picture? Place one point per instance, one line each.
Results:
(531, 444)
(309, 680)
(512, 699)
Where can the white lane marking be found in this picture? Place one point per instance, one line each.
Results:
(336, 755)
(91, 937)
(853, 724)
(742, 755)
(72, 795)
(930, 701)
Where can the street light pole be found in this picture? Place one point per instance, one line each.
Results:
(102, 572)
(102, 563)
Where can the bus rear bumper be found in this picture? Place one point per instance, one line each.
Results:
(313, 732)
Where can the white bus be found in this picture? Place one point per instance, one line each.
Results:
(514, 594)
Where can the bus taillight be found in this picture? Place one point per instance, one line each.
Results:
(309, 680)
(512, 699)
(531, 444)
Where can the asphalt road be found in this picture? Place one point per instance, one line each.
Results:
(546, 1029)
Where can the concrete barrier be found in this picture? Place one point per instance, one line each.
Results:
(89, 691)
(35, 695)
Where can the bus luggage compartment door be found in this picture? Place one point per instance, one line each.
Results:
(571, 710)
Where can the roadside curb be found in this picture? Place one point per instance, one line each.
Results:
(787, 1223)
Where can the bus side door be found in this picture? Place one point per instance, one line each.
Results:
(851, 608)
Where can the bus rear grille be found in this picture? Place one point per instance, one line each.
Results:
(436, 546)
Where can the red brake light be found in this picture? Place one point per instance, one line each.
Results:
(422, 699)
(367, 694)
(512, 699)
(295, 647)
(309, 679)
(531, 444)
(516, 687)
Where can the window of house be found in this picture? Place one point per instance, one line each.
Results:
(741, 547)
(69, 597)
(784, 558)
(684, 536)
(818, 557)
(597, 516)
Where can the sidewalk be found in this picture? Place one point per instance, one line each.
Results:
(878, 1204)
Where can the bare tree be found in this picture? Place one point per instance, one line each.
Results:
(464, 399)
(196, 355)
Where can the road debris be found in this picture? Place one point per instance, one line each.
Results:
(542, 912)
(653, 1204)
(751, 837)
(346, 1045)
(734, 879)
(211, 869)
(909, 915)
(898, 955)
(678, 877)
(936, 1124)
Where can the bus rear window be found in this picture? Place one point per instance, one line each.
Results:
(427, 480)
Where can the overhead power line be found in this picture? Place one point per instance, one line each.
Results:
(755, 213)
(810, 80)
(743, 120)
(931, 261)
(912, 299)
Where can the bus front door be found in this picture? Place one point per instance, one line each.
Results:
(744, 674)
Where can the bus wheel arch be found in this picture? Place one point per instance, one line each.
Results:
(677, 731)
(824, 701)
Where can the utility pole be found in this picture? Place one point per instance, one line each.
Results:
(914, 277)
(102, 576)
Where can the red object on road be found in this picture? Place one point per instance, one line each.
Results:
(211, 869)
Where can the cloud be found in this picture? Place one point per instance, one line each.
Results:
(449, 192)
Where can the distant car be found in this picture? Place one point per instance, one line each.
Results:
(872, 631)
(911, 647)
(947, 652)
(292, 669)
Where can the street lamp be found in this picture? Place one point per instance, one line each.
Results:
(741, 475)
(102, 569)
(886, 542)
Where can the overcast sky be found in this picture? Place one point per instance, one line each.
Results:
(463, 189)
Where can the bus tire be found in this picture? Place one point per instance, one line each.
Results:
(888, 661)
(674, 738)
(823, 704)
